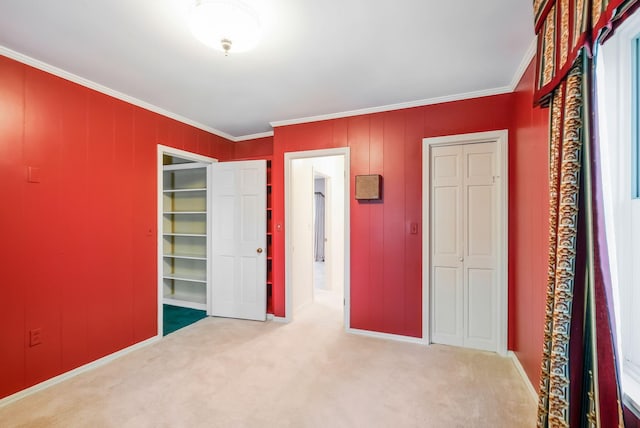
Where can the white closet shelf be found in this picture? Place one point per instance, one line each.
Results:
(177, 301)
(185, 277)
(192, 235)
(186, 256)
(199, 189)
(183, 212)
(183, 166)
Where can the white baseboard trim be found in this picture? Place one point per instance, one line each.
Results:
(271, 317)
(523, 374)
(387, 336)
(75, 372)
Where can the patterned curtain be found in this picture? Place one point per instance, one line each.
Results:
(565, 28)
(578, 385)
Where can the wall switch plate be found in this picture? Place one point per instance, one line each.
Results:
(35, 337)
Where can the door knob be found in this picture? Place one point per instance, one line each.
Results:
(259, 250)
(461, 259)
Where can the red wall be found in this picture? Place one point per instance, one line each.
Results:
(79, 246)
(386, 267)
(256, 148)
(78, 255)
(528, 226)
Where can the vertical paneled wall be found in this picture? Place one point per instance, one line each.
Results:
(256, 148)
(78, 216)
(386, 259)
(77, 222)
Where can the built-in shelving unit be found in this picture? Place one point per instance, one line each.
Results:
(184, 232)
(269, 278)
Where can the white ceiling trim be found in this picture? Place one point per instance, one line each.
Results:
(106, 90)
(399, 106)
(253, 136)
(380, 109)
(526, 60)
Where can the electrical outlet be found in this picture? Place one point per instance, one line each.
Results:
(35, 337)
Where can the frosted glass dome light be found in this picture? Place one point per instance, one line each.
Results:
(225, 25)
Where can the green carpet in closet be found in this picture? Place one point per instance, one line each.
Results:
(175, 317)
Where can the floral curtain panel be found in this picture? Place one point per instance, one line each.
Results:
(562, 303)
(578, 384)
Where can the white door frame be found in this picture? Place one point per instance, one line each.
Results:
(500, 137)
(288, 209)
(171, 151)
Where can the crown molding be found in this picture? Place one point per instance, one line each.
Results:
(530, 53)
(391, 107)
(253, 136)
(41, 65)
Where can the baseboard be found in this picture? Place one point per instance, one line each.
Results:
(523, 374)
(271, 317)
(387, 336)
(75, 372)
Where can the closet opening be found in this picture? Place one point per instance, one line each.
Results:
(184, 230)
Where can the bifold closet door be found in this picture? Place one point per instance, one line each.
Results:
(464, 248)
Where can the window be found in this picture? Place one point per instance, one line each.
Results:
(618, 97)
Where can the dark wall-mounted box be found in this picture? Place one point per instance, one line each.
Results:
(369, 186)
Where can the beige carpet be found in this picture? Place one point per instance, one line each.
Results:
(309, 373)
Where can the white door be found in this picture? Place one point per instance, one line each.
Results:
(239, 240)
(464, 245)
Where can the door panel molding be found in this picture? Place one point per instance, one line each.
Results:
(500, 138)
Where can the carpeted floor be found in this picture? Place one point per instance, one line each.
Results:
(308, 373)
(175, 318)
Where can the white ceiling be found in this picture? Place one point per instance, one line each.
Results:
(317, 57)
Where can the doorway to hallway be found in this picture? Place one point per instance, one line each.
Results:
(317, 225)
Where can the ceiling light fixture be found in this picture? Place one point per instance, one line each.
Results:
(225, 25)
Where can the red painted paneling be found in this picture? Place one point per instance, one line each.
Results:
(74, 184)
(259, 147)
(43, 279)
(394, 285)
(12, 177)
(373, 289)
(143, 237)
(386, 268)
(414, 124)
(528, 227)
(79, 253)
(358, 129)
